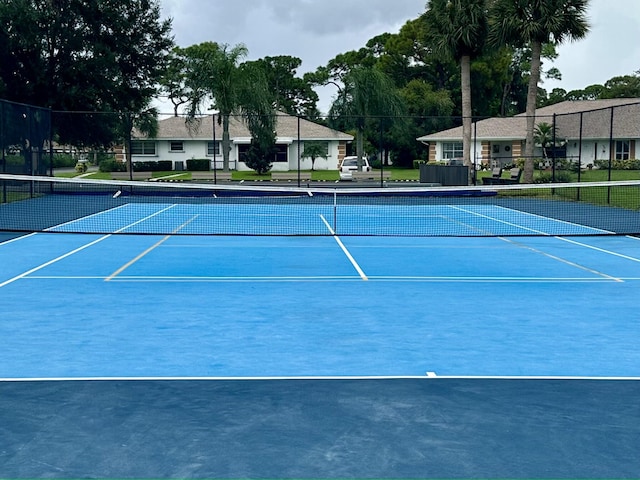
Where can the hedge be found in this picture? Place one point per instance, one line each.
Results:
(198, 165)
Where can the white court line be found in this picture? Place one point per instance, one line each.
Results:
(481, 215)
(332, 278)
(598, 249)
(50, 262)
(79, 249)
(50, 229)
(528, 247)
(148, 250)
(429, 376)
(363, 276)
(560, 259)
(573, 224)
(7, 242)
(234, 279)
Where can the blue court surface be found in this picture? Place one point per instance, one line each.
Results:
(138, 356)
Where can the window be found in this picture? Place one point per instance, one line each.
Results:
(176, 146)
(282, 153)
(451, 150)
(143, 147)
(213, 149)
(622, 149)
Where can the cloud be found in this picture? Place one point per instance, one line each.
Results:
(313, 30)
(610, 49)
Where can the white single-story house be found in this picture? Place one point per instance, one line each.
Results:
(178, 142)
(588, 130)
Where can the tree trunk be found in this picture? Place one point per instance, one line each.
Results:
(465, 82)
(226, 143)
(532, 96)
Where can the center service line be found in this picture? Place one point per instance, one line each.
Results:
(363, 276)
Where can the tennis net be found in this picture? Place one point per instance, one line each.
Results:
(48, 204)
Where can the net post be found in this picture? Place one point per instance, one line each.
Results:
(213, 127)
(299, 145)
(335, 211)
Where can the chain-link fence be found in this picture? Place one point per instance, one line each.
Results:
(588, 145)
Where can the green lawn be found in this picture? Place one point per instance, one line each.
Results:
(399, 174)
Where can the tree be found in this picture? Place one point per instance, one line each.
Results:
(215, 75)
(626, 86)
(292, 94)
(99, 56)
(172, 83)
(367, 92)
(544, 136)
(534, 23)
(457, 29)
(429, 111)
(314, 150)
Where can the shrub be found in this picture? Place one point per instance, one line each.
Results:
(417, 163)
(631, 164)
(257, 159)
(63, 160)
(547, 177)
(112, 165)
(198, 165)
(375, 162)
(160, 166)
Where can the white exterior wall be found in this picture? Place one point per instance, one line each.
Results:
(197, 149)
(591, 151)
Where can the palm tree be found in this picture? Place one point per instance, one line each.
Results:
(544, 135)
(536, 22)
(315, 150)
(457, 29)
(214, 73)
(367, 92)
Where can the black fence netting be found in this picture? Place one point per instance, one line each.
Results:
(47, 204)
(573, 142)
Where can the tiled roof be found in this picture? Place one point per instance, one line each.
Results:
(596, 121)
(175, 128)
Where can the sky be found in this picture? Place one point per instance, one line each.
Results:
(317, 30)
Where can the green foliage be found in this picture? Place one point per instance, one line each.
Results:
(262, 151)
(198, 165)
(213, 73)
(560, 177)
(314, 150)
(63, 160)
(159, 166)
(457, 28)
(99, 56)
(291, 94)
(259, 158)
(367, 93)
(112, 165)
(631, 164)
(543, 135)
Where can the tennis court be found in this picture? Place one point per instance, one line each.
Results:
(449, 335)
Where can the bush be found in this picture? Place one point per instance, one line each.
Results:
(161, 166)
(631, 164)
(257, 158)
(112, 165)
(198, 165)
(417, 163)
(547, 177)
(63, 160)
(375, 162)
